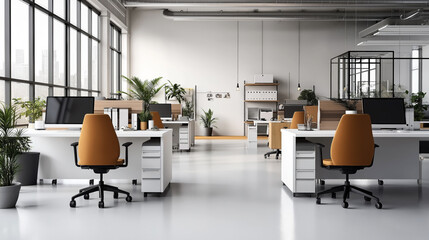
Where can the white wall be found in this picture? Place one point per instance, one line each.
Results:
(204, 54)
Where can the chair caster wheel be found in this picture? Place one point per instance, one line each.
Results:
(345, 204)
(54, 181)
(144, 194)
(115, 195)
(72, 203)
(91, 182)
(100, 204)
(322, 182)
(128, 198)
(318, 201)
(86, 196)
(367, 199)
(265, 156)
(380, 182)
(277, 157)
(378, 205)
(333, 195)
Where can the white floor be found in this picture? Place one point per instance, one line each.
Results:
(221, 190)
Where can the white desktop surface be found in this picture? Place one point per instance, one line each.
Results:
(375, 133)
(76, 133)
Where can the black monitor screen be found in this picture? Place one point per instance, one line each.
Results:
(385, 110)
(164, 110)
(68, 110)
(289, 110)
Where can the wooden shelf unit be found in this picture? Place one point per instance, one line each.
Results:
(261, 84)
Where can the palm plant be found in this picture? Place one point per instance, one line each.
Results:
(208, 119)
(143, 90)
(175, 91)
(12, 143)
(145, 116)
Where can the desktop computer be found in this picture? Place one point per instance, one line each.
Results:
(385, 113)
(67, 112)
(164, 110)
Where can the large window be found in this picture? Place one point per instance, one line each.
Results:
(52, 49)
(115, 53)
(415, 70)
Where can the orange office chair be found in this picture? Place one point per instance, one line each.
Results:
(352, 149)
(99, 150)
(274, 133)
(157, 120)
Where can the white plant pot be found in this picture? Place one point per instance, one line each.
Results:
(351, 112)
(39, 125)
(151, 124)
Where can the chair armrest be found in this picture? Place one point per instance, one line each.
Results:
(376, 145)
(126, 145)
(74, 145)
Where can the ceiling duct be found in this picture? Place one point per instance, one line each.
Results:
(396, 27)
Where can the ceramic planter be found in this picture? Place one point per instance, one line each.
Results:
(208, 131)
(28, 168)
(143, 125)
(9, 195)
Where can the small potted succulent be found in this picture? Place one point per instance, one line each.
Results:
(208, 121)
(144, 117)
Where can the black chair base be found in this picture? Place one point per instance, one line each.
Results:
(276, 152)
(347, 188)
(100, 188)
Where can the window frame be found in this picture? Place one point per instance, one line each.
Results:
(113, 50)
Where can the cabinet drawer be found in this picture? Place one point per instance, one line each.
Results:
(151, 148)
(305, 174)
(151, 185)
(184, 146)
(183, 136)
(305, 154)
(305, 163)
(304, 186)
(151, 154)
(151, 163)
(151, 173)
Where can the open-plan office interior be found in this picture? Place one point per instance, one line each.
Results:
(214, 119)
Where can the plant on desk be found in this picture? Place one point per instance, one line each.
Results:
(32, 109)
(144, 117)
(416, 102)
(208, 121)
(175, 91)
(349, 104)
(188, 109)
(308, 95)
(143, 90)
(12, 143)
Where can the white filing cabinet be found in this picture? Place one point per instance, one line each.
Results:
(305, 169)
(183, 133)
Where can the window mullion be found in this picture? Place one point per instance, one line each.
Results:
(8, 48)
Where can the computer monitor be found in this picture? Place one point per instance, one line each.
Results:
(385, 112)
(164, 110)
(67, 112)
(289, 110)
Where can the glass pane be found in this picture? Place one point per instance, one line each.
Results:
(84, 62)
(415, 81)
(95, 94)
(59, 53)
(73, 58)
(2, 91)
(94, 65)
(20, 90)
(84, 93)
(84, 17)
(118, 40)
(43, 3)
(73, 93)
(41, 47)
(95, 24)
(114, 39)
(20, 40)
(59, 8)
(59, 92)
(114, 72)
(41, 91)
(2, 40)
(73, 12)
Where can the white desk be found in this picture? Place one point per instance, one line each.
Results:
(396, 158)
(252, 133)
(183, 133)
(149, 157)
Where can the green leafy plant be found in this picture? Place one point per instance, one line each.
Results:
(175, 91)
(208, 119)
(349, 104)
(188, 109)
(145, 116)
(416, 102)
(12, 143)
(308, 95)
(32, 109)
(143, 90)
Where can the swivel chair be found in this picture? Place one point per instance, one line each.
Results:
(99, 150)
(352, 149)
(274, 134)
(157, 122)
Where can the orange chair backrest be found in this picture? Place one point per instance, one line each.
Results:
(157, 120)
(298, 118)
(98, 143)
(353, 143)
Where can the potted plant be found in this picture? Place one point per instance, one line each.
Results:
(416, 102)
(33, 110)
(12, 143)
(143, 90)
(308, 95)
(144, 117)
(208, 122)
(350, 105)
(188, 109)
(175, 91)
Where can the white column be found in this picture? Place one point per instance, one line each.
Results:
(105, 60)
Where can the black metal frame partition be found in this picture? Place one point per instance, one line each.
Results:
(32, 6)
(349, 60)
(113, 50)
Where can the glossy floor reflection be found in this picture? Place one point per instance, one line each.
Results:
(220, 190)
